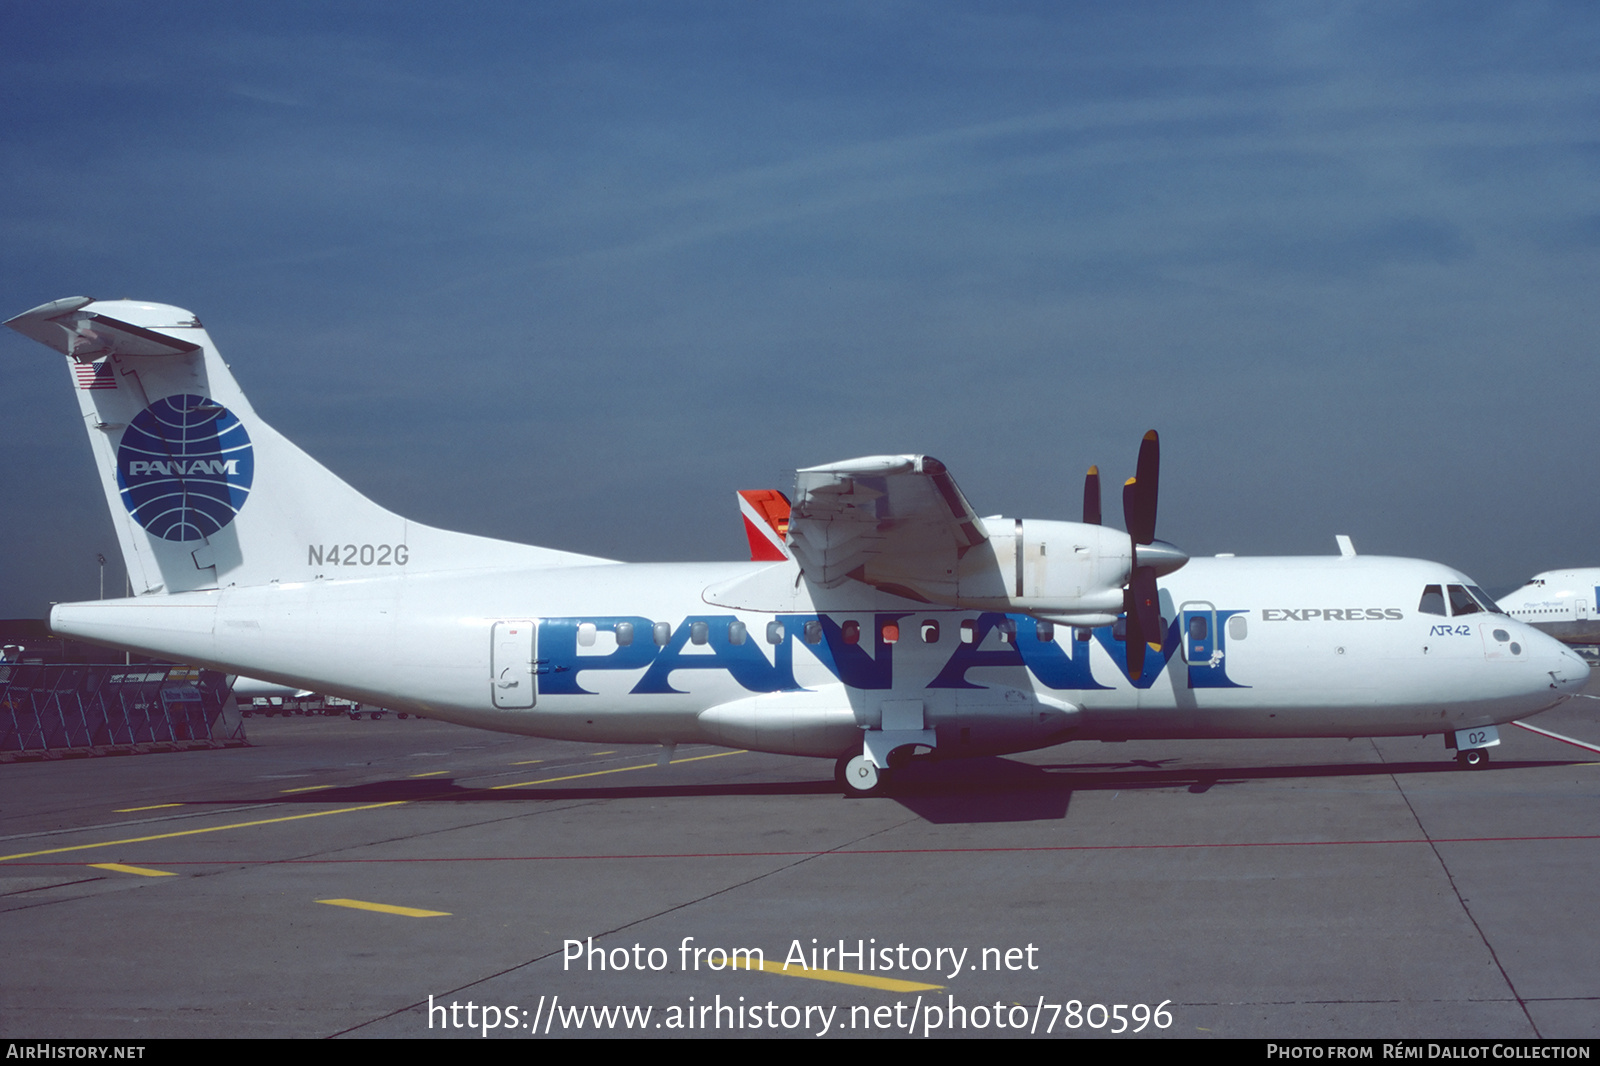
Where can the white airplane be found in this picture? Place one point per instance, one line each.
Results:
(1561, 603)
(890, 620)
(253, 688)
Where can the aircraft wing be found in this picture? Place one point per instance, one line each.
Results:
(897, 522)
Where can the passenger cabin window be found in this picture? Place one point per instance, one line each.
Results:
(813, 632)
(1237, 628)
(624, 634)
(1045, 631)
(737, 633)
(662, 633)
(1197, 627)
(890, 633)
(1432, 601)
(851, 631)
(968, 630)
(774, 632)
(1007, 630)
(699, 632)
(930, 631)
(586, 633)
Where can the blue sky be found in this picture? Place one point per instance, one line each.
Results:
(573, 273)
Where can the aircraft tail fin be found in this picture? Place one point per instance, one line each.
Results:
(205, 494)
(766, 523)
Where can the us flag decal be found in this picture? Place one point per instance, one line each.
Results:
(94, 375)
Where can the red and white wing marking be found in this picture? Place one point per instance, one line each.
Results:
(766, 523)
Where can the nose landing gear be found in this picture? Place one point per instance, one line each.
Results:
(1472, 745)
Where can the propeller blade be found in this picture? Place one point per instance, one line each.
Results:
(1141, 597)
(1091, 497)
(1149, 469)
(1133, 633)
(1140, 492)
(1135, 512)
(1146, 603)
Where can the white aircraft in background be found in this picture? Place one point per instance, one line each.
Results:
(1561, 603)
(253, 688)
(889, 619)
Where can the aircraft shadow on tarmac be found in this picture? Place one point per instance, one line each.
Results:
(955, 792)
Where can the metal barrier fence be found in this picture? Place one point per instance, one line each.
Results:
(94, 709)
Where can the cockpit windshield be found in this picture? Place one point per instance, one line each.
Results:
(1462, 600)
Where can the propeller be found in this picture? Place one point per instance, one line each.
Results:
(1151, 558)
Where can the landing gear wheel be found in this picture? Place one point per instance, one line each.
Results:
(861, 778)
(1473, 758)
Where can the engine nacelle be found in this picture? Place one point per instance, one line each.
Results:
(1060, 569)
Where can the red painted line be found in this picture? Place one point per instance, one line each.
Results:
(1557, 736)
(875, 851)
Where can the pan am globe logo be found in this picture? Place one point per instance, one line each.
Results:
(185, 466)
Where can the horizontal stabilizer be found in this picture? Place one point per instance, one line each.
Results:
(72, 328)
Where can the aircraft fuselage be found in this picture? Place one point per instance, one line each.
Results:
(738, 653)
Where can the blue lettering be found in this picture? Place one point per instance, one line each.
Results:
(1055, 666)
(558, 646)
(849, 663)
(744, 662)
(1154, 662)
(971, 656)
(1062, 663)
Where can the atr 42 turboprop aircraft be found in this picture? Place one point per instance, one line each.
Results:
(887, 619)
(1563, 603)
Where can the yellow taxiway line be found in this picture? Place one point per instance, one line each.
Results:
(195, 832)
(385, 908)
(340, 810)
(841, 977)
(142, 871)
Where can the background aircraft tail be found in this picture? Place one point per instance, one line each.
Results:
(205, 494)
(766, 523)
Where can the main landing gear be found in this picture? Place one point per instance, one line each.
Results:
(860, 776)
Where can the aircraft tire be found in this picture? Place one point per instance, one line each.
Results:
(1473, 758)
(861, 778)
